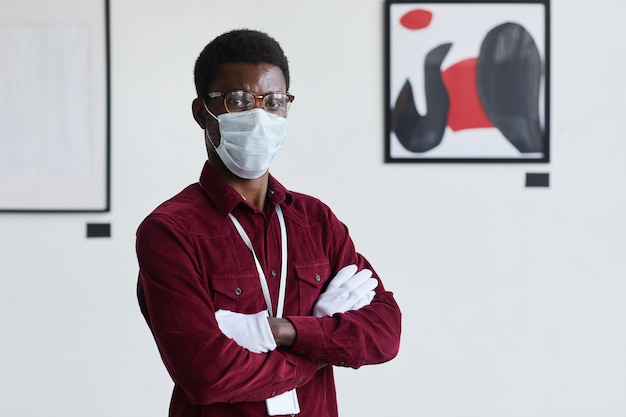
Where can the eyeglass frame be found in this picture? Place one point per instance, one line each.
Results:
(223, 94)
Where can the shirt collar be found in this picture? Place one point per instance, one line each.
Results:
(225, 198)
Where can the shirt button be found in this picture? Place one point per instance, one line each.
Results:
(273, 393)
(273, 273)
(238, 291)
(301, 382)
(318, 278)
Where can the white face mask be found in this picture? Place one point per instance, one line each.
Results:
(249, 141)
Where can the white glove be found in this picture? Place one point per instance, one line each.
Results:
(348, 290)
(251, 331)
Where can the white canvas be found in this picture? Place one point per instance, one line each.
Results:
(45, 100)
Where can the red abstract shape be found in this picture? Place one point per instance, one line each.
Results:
(416, 19)
(466, 110)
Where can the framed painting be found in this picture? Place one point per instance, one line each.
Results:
(467, 81)
(54, 106)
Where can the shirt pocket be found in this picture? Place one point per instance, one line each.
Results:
(311, 280)
(240, 293)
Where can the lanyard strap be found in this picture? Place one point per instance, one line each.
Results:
(283, 264)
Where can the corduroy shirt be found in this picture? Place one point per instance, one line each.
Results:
(192, 262)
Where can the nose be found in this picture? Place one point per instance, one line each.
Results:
(258, 102)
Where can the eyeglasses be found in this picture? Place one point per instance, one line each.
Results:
(237, 101)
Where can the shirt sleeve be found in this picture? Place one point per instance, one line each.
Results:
(206, 364)
(369, 335)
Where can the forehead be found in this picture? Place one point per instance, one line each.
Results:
(256, 78)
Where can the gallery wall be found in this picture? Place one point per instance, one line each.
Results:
(512, 297)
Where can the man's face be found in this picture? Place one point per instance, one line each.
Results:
(258, 79)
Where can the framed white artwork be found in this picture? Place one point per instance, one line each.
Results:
(54, 106)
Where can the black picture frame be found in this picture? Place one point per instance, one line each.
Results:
(467, 81)
(55, 147)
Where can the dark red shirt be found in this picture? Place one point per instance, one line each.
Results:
(192, 262)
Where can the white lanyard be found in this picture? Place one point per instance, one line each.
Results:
(283, 265)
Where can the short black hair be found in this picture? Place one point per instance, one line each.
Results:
(240, 45)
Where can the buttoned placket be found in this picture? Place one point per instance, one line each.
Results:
(264, 284)
(283, 270)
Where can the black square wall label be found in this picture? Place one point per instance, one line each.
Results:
(534, 179)
(98, 229)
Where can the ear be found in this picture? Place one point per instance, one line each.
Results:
(199, 112)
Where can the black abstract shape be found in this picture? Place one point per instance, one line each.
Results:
(508, 82)
(419, 133)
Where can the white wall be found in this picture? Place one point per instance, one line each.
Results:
(512, 297)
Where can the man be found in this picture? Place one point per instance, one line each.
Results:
(253, 292)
